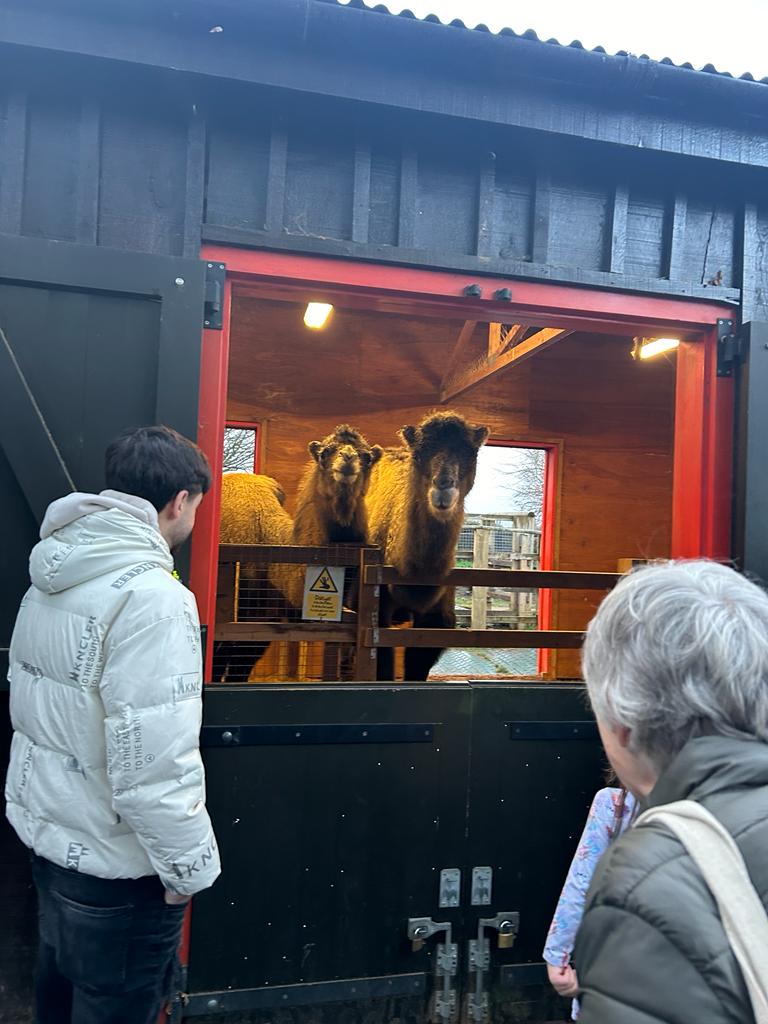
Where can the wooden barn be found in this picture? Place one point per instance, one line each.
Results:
(504, 229)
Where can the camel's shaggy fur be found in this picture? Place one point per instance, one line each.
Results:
(415, 506)
(252, 510)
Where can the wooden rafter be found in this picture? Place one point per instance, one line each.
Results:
(459, 349)
(458, 383)
(498, 342)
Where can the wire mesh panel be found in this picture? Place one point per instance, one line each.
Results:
(261, 633)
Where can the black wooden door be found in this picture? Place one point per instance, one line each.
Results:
(91, 341)
(537, 762)
(337, 811)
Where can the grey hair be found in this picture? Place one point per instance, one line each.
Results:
(677, 650)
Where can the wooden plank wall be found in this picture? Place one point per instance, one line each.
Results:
(135, 165)
(612, 417)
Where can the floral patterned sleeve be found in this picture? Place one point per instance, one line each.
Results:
(594, 841)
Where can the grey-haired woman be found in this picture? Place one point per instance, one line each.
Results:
(676, 664)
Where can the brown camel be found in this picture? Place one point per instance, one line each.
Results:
(415, 507)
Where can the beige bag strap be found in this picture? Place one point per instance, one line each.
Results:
(719, 860)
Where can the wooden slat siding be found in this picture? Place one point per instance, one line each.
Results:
(236, 182)
(319, 183)
(51, 170)
(143, 170)
(542, 206)
(646, 218)
(361, 193)
(406, 229)
(13, 149)
(511, 226)
(278, 160)
(501, 639)
(578, 223)
(385, 197)
(748, 263)
(709, 245)
(446, 202)
(393, 75)
(520, 579)
(87, 224)
(618, 233)
(195, 191)
(677, 228)
(466, 264)
(486, 187)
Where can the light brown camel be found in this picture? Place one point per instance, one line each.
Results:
(329, 508)
(415, 507)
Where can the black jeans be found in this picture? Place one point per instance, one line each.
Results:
(107, 947)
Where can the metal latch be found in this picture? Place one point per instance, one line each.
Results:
(506, 924)
(729, 347)
(444, 1001)
(213, 306)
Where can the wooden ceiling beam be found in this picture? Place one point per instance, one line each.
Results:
(489, 367)
(497, 344)
(459, 350)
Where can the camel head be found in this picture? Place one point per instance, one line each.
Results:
(344, 462)
(443, 450)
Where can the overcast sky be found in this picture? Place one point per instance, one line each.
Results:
(731, 34)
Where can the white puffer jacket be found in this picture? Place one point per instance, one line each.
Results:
(106, 681)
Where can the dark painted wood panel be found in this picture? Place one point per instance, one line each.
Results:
(446, 205)
(577, 226)
(53, 137)
(143, 160)
(238, 164)
(708, 252)
(512, 224)
(319, 184)
(384, 196)
(13, 136)
(474, 76)
(646, 219)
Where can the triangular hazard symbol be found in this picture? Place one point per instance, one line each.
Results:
(323, 584)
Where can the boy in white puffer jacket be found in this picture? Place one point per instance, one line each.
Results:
(106, 784)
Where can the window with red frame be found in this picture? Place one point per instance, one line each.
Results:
(241, 447)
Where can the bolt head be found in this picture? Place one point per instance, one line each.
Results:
(179, 282)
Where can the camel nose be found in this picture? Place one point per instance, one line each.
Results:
(444, 481)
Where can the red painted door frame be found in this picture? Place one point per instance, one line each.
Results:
(703, 407)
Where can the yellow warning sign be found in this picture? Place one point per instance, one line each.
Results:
(323, 593)
(324, 584)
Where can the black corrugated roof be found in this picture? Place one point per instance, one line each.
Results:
(708, 69)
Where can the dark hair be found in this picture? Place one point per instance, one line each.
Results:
(155, 463)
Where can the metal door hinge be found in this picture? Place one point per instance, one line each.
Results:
(444, 1008)
(729, 347)
(213, 307)
(478, 1006)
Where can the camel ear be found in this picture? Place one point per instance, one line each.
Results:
(410, 435)
(315, 449)
(479, 436)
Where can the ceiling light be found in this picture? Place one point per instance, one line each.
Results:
(647, 348)
(317, 314)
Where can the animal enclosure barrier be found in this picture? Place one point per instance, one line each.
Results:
(261, 638)
(498, 542)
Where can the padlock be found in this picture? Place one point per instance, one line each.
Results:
(506, 935)
(418, 937)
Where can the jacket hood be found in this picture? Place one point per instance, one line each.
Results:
(711, 764)
(90, 535)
